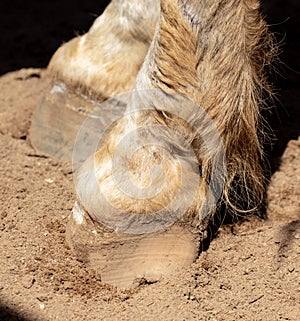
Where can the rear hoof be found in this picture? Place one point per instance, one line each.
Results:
(128, 260)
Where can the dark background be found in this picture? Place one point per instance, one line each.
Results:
(30, 32)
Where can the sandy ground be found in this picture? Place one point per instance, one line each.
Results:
(251, 270)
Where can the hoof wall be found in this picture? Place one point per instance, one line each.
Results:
(127, 260)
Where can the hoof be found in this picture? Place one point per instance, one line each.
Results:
(128, 260)
(57, 120)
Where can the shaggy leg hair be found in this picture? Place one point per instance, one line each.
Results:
(214, 54)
